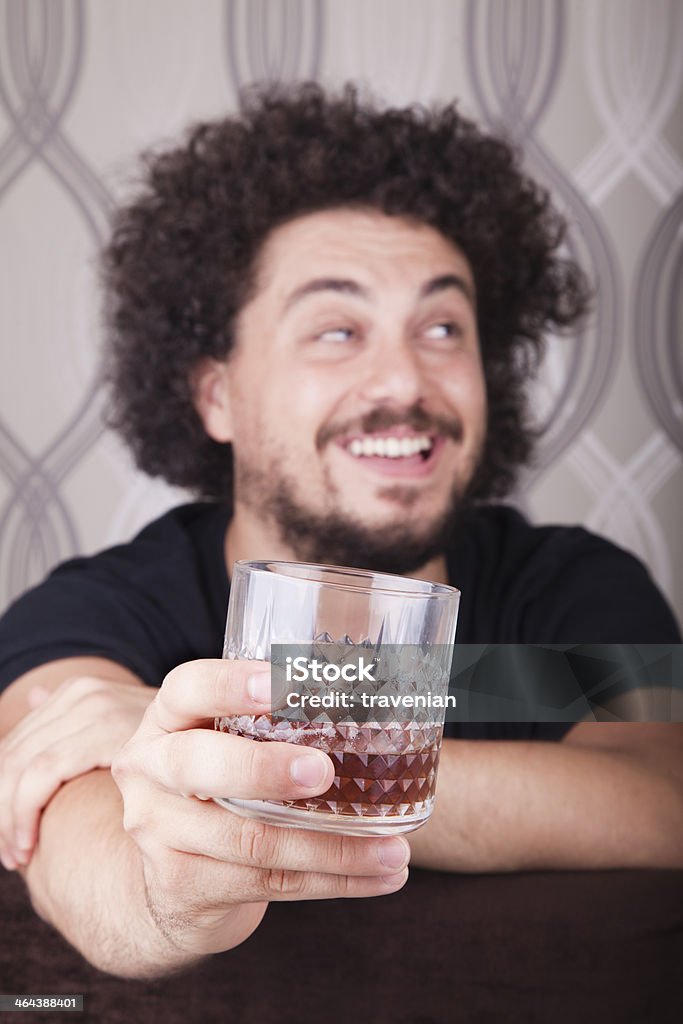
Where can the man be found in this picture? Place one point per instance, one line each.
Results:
(323, 316)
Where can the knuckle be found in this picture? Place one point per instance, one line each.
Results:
(180, 682)
(132, 820)
(279, 882)
(342, 885)
(173, 748)
(81, 686)
(251, 760)
(46, 762)
(258, 843)
(218, 682)
(206, 680)
(350, 853)
(123, 765)
(137, 815)
(99, 703)
(256, 768)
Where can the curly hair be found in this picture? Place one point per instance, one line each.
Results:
(183, 255)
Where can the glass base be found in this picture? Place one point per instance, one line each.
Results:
(321, 821)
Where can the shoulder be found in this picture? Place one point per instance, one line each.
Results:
(148, 604)
(178, 534)
(172, 567)
(555, 583)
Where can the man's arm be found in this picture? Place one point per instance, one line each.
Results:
(610, 795)
(101, 912)
(85, 878)
(14, 701)
(59, 721)
(149, 883)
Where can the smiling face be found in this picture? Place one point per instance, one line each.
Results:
(354, 397)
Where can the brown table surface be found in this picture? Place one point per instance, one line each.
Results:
(579, 946)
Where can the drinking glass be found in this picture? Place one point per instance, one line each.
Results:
(385, 758)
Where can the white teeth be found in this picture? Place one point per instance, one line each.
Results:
(389, 447)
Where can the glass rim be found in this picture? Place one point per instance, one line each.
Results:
(405, 586)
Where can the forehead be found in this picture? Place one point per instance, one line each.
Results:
(361, 244)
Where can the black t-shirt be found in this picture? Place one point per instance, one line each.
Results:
(161, 599)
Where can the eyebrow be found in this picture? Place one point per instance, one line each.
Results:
(346, 286)
(327, 284)
(445, 281)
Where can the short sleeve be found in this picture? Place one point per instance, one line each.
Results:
(590, 591)
(145, 605)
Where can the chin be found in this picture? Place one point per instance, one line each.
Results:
(398, 532)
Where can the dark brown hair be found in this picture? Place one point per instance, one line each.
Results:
(181, 260)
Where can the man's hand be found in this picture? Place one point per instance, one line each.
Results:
(77, 727)
(209, 873)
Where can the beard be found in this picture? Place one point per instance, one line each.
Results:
(337, 538)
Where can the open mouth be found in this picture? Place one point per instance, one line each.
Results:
(395, 454)
(391, 447)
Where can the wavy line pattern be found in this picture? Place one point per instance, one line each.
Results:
(624, 492)
(615, 64)
(635, 82)
(514, 89)
(273, 42)
(40, 67)
(385, 46)
(657, 316)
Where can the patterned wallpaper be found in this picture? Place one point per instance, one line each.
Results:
(590, 88)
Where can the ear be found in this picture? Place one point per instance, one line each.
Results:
(212, 398)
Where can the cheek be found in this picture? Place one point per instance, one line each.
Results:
(274, 422)
(467, 394)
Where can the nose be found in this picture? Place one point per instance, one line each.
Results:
(392, 374)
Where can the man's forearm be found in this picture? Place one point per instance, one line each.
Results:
(506, 806)
(86, 879)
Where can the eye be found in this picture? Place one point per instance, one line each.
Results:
(337, 335)
(446, 329)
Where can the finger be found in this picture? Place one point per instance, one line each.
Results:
(89, 694)
(209, 830)
(7, 860)
(18, 754)
(107, 706)
(219, 764)
(208, 885)
(284, 886)
(48, 757)
(45, 772)
(209, 688)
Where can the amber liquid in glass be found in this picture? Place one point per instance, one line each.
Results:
(381, 769)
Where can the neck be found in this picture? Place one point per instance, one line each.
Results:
(249, 538)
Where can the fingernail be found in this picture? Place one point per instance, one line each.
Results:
(21, 857)
(8, 861)
(393, 853)
(258, 686)
(308, 771)
(23, 840)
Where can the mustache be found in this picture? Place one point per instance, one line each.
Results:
(382, 419)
